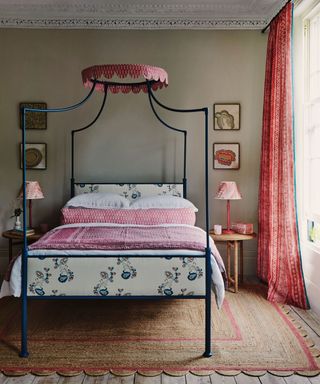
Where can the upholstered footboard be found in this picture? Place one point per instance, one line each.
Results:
(117, 276)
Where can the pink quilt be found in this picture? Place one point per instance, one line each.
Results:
(123, 238)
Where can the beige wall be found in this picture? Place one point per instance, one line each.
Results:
(127, 143)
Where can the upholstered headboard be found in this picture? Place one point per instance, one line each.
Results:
(131, 191)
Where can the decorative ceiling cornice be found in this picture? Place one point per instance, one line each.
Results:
(130, 23)
(138, 14)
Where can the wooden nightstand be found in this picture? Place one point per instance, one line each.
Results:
(235, 241)
(17, 238)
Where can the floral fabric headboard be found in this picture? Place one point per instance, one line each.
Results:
(131, 191)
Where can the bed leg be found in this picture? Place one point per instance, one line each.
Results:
(208, 352)
(24, 335)
(24, 327)
(24, 307)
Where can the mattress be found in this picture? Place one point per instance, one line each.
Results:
(113, 273)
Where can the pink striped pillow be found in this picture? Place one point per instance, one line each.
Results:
(153, 216)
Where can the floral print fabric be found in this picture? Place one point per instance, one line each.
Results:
(117, 276)
(132, 191)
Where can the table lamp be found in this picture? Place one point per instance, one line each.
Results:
(228, 190)
(33, 192)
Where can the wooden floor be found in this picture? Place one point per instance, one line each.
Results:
(312, 325)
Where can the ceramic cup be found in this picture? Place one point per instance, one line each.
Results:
(217, 229)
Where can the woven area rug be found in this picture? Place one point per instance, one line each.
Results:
(249, 334)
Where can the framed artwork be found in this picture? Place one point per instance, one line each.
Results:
(226, 117)
(36, 155)
(226, 156)
(34, 120)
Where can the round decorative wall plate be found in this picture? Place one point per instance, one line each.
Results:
(33, 157)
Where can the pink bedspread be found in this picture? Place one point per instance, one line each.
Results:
(123, 238)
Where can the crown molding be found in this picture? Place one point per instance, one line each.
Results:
(130, 23)
(138, 14)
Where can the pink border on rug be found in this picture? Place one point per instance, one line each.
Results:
(312, 367)
(313, 364)
(155, 369)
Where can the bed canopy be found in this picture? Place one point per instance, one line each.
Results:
(146, 78)
(120, 78)
(155, 75)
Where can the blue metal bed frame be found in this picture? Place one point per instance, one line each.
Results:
(207, 255)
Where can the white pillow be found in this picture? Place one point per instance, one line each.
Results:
(162, 201)
(99, 200)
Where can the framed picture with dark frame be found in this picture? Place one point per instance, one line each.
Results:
(226, 156)
(226, 116)
(34, 120)
(36, 155)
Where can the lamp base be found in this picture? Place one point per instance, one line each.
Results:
(228, 231)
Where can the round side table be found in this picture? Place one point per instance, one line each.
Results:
(235, 241)
(16, 238)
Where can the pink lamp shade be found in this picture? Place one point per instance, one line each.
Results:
(33, 192)
(228, 190)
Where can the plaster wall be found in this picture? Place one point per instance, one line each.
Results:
(127, 144)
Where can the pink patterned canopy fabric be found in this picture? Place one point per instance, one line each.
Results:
(135, 71)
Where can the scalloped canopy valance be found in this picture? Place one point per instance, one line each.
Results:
(157, 76)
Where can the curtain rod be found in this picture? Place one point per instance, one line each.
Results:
(265, 28)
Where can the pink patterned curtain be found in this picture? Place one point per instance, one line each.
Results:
(279, 262)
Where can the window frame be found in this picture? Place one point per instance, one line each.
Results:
(307, 214)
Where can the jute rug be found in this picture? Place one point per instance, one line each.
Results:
(249, 334)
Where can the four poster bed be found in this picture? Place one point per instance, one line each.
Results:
(145, 248)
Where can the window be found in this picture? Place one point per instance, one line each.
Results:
(311, 158)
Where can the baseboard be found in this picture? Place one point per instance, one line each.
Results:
(313, 292)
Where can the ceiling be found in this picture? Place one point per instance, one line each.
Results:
(138, 14)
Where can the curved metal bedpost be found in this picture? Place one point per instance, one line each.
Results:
(152, 97)
(24, 350)
(83, 129)
(207, 352)
(205, 111)
(24, 262)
